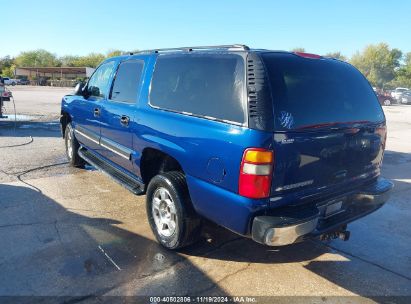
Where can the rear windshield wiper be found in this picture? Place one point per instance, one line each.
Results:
(333, 125)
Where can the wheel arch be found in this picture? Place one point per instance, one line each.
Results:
(154, 161)
(65, 118)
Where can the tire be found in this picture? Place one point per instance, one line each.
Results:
(387, 102)
(72, 146)
(168, 202)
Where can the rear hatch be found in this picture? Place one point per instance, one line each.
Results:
(329, 126)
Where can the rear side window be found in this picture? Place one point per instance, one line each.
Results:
(310, 92)
(200, 84)
(127, 82)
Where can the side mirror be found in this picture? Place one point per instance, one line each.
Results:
(79, 89)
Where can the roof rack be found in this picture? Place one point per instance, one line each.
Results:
(194, 48)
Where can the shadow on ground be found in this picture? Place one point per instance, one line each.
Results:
(30, 128)
(49, 250)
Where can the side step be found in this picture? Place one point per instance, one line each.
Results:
(124, 179)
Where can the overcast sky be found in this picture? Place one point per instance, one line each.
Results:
(79, 27)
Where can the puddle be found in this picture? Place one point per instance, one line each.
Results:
(18, 117)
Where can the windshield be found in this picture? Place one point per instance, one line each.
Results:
(318, 93)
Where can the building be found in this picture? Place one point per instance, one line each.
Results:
(54, 76)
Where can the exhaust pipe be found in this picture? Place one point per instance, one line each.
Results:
(343, 235)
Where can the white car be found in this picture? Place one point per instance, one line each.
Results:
(398, 92)
(10, 81)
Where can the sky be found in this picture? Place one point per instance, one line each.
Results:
(78, 27)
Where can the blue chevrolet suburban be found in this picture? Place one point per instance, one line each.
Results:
(272, 145)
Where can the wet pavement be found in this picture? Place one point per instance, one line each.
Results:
(75, 232)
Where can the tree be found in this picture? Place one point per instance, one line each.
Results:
(378, 63)
(114, 53)
(91, 60)
(298, 49)
(336, 55)
(39, 58)
(403, 74)
(8, 71)
(69, 60)
(6, 62)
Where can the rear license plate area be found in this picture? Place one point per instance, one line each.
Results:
(334, 207)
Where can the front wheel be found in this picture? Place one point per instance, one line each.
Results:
(387, 102)
(170, 213)
(72, 146)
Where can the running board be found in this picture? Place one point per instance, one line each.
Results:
(124, 179)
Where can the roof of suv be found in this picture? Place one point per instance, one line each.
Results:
(220, 48)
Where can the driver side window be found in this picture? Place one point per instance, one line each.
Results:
(99, 82)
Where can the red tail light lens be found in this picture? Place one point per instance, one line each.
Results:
(382, 131)
(308, 55)
(256, 173)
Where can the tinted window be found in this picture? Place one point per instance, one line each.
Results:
(127, 82)
(99, 82)
(309, 92)
(200, 84)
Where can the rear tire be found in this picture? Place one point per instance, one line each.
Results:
(172, 218)
(72, 146)
(387, 102)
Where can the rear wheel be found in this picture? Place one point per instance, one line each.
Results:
(72, 146)
(170, 213)
(387, 102)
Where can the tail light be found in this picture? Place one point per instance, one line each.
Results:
(308, 55)
(382, 131)
(256, 173)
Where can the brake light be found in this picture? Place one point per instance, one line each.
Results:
(308, 55)
(256, 173)
(382, 131)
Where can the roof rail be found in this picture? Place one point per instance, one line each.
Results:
(193, 48)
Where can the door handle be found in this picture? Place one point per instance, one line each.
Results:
(96, 112)
(124, 120)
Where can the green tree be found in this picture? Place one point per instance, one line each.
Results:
(8, 71)
(403, 74)
(91, 60)
(114, 53)
(6, 62)
(378, 63)
(69, 60)
(336, 55)
(298, 49)
(40, 58)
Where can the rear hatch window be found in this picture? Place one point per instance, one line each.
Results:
(318, 92)
(329, 126)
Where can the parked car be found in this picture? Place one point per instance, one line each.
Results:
(5, 94)
(9, 81)
(24, 82)
(385, 99)
(264, 143)
(398, 92)
(406, 97)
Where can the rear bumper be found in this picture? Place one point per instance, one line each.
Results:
(292, 224)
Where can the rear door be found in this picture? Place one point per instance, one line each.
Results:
(87, 110)
(329, 126)
(119, 113)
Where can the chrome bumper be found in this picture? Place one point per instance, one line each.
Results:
(289, 225)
